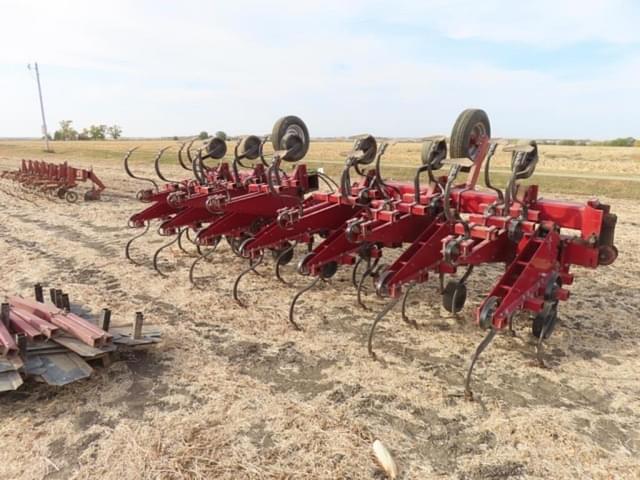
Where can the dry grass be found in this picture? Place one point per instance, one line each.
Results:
(233, 393)
(617, 161)
(566, 169)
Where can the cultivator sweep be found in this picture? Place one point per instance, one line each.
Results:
(441, 223)
(54, 180)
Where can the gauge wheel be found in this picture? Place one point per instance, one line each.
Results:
(454, 296)
(471, 125)
(291, 134)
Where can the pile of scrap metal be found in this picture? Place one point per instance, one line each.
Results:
(49, 343)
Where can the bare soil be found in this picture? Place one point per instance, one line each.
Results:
(235, 393)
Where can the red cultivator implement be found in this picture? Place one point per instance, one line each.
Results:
(55, 180)
(228, 200)
(442, 222)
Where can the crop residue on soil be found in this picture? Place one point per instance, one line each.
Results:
(235, 393)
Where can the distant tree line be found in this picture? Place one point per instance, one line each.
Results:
(94, 132)
(621, 142)
(203, 135)
(616, 142)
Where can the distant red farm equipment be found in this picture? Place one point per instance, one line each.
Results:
(55, 180)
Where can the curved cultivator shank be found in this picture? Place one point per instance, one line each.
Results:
(231, 199)
(54, 180)
(440, 222)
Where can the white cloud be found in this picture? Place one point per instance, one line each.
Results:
(165, 68)
(540, 23)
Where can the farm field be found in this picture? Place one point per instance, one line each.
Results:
(614, 171)
(235, 393)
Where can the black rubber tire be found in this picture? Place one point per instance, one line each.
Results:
(235, 242)
(287, 132)
(464, 134)
(434, 152)
(60, 193)
(216, 148)
(369, 146)
(449, 294)
(329, 269)
(71, 197)
(90, 196)
(249, 147)
(546, 316)
(287, 257)
(607, 254)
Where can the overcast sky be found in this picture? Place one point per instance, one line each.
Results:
(398, 68)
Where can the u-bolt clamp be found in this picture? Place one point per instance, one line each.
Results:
(214, 203)
(144, 195)
(175, 198)
(287, 217)
(353, 230)
(452, 250)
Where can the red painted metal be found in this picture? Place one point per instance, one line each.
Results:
(443, 226)
(7, 343)
(77, 326)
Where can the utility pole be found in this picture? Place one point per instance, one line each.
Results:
(44, 121)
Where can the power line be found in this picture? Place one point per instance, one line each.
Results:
(44, 121)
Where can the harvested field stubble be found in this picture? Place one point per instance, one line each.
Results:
(234, 393)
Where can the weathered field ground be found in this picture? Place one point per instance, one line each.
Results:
(235, 393)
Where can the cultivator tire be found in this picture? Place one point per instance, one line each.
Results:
(216, 148)
(454, 296)
(290, 133)
(71, 197)
(237, 244)
(91, 196)
(607, 254)
(329, 270)
(283, 255)
(545, 320)
(249, 147)
(433, 152)
(369, 148)
(467, 132)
